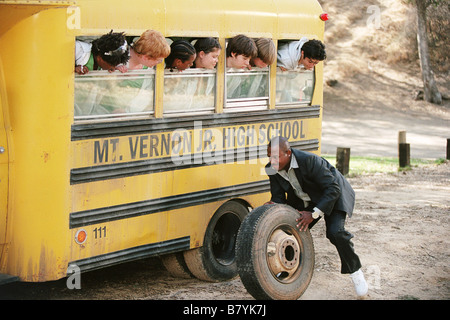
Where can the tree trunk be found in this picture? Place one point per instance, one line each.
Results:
(431, 91)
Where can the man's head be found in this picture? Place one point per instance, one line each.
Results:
(279, 153)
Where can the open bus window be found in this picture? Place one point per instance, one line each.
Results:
(192, 90)
(294, 87)
(247, 88)
(103, 94)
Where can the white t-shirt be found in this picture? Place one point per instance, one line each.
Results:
(290, 53)
(82, 52)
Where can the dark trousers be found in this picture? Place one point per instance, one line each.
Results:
(339, 237)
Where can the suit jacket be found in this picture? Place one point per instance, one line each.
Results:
(326, 186)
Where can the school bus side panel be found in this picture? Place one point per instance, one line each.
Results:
(193, 18)
(299, 18)
(37, 50)
(133, 17)
(4, 159)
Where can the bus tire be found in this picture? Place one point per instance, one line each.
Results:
(216, 260)
(275, 260)
(176, 266)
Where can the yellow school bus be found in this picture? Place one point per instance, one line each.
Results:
(88, 187)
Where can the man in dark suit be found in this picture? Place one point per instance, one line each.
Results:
(316, 189)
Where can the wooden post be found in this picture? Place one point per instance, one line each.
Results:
(404, 156)
(403, 150)
(401, 137)
(448, 149)
(343, 160)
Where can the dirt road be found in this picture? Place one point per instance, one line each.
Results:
(369, 125)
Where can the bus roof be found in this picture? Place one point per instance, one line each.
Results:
(277, 19)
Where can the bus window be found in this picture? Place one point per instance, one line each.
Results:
(191, 90)
(247, 88)
(294, 87)
(102, 94)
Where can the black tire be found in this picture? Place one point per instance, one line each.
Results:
(176, 266)
(216, 260)
(274, 259)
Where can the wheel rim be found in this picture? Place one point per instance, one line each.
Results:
(284, 255)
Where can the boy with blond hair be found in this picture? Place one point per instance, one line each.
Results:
(149, 50)
(267, 53)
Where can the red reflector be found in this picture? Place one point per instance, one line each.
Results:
(324, 16)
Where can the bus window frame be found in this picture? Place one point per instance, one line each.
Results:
(244, 104)
(251, 103)
(130, 74)
(228, 105)
(280, 105)
(190, 73)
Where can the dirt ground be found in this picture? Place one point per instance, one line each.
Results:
(401, 221)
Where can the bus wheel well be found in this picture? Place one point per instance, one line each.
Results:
(243, 202)
(215, 260)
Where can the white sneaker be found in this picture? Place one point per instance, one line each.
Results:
(360, 283)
